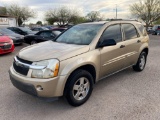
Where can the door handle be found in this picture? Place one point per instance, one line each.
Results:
(138, 41)
(122, 46)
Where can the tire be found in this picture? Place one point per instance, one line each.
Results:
(33, 42)
(79, 88)
(141, 63)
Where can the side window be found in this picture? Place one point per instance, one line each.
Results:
(16, 29)
(142, 29)
(113, 32)
(10, 28)
(130, 31)
(46, 34)
(35, 29)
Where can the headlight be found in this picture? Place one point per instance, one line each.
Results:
(50, 71)
(12, 37)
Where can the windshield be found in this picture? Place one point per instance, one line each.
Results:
(25, 29)
(6, 31)
(80, 34)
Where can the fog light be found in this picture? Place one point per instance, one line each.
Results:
(39, 88)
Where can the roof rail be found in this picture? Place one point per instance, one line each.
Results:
(123, 20)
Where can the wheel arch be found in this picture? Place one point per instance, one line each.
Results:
(88, 67)
(146, 50)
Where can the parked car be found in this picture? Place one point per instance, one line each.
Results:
(50, 27)
(39, 29)
(22, 30)
(6, 44)
(79, 58)
(41, 36)
(17, 39)
(60, 29)
(149, 30)
(155, 29)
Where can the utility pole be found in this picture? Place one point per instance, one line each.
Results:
(116, 11)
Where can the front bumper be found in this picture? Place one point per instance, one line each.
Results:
(53, 87)
(2, 51)
(28, 88)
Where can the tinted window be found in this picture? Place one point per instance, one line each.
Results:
(17, 29)
(113, 32)
(46, 34)
(35, 29)
(130, 31)
(6, 31)
(10, 28)
(25, 29)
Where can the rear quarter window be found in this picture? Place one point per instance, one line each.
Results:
(142, 29)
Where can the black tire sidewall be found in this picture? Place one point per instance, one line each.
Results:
(76, 75)
(145, 55)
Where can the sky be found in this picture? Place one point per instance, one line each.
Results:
(107, 8)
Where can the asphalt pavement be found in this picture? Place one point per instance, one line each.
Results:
(127, 95)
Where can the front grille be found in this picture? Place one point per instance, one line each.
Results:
(21, 68)
(24, 61)
(6, 47)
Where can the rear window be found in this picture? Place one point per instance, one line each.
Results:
(142, 29)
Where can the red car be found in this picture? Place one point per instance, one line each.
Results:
(6, 44)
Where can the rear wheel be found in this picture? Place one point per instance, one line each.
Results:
(79, 87)
(141, 62)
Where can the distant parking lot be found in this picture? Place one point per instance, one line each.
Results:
(127, 95)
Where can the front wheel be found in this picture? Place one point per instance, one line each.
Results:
(141, 62)
(79, 88)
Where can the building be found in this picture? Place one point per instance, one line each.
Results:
(5, 20)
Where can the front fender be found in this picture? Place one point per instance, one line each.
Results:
(89, 58)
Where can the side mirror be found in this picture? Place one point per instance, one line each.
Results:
(107, 42)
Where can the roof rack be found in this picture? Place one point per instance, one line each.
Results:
(123, 20)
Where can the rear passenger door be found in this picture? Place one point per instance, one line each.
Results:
(112, 57)
(132, 41)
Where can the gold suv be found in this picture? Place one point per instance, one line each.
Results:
(81, 56)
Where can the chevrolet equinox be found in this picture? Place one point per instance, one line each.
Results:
(78, 58)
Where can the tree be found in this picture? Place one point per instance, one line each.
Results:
(22, 14)
(157, 22)
(147, 10)
(39, 23)
(94, 16)
(62, 15)
(3, 11)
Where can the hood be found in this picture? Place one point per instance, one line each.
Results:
(50, 49)
(4, 39)
(14, 35)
